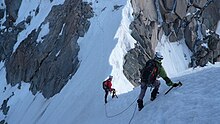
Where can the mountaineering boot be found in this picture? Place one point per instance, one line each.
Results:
(140, 104)
(154, 94)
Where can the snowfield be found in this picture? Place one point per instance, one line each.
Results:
(102, 49)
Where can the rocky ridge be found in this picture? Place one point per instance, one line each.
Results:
(47, 64)
(194, 20)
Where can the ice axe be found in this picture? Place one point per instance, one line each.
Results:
(179, 84)
(114, 93)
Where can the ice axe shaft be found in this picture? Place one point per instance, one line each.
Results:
(179, 84)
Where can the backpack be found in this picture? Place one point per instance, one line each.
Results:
(149, 72)
(104, 86)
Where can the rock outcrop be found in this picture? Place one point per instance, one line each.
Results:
(195, 21)
(49, 63)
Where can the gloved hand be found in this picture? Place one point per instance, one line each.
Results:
(175, 84)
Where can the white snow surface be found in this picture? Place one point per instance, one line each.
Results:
(176, 55)
(102, 49)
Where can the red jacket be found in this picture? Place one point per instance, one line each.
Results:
(108, 83)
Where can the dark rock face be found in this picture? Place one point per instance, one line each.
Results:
(2, 11)
(12, 7)
(47, 64)
(176, 19)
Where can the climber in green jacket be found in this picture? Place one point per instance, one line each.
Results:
(149, 74)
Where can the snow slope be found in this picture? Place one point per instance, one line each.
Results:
(102, 49)
(196, 102)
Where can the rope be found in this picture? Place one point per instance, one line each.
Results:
(111, 116)
(132, 115)
(144, 50)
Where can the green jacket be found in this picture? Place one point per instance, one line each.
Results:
(162, 73)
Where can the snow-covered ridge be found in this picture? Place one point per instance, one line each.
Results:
(125, 43)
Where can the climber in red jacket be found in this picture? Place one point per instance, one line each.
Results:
(107, 86)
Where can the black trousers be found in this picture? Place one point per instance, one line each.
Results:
(106, 95)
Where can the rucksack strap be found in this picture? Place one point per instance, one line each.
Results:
(104, 85)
